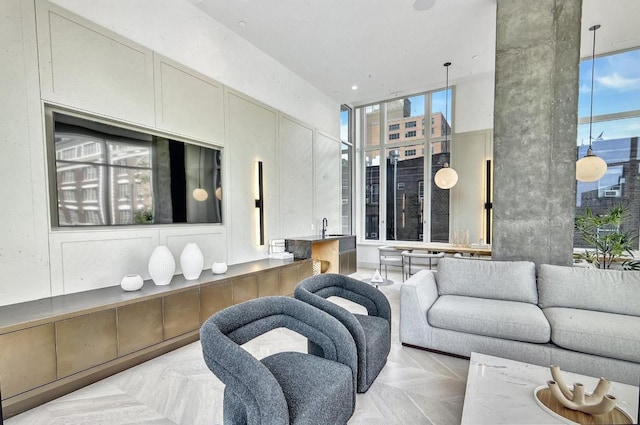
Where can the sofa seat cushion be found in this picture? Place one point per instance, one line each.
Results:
(495, 318)
(594, 332)
(314, 388)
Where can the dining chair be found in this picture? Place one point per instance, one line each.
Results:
(389, 256)
(414, 261)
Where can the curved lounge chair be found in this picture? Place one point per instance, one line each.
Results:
(371, 333)
(286, 387)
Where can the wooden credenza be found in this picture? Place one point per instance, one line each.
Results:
(56, 345)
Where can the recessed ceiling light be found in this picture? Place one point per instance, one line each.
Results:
(242, 24)
(354, 87)
(474, 57)
(422, 5)
(623, 41)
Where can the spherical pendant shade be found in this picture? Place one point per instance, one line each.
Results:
(446, 177)
(200, 194)
(590, 168)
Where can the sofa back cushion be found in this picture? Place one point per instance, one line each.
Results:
(609, 291)
(501, 280)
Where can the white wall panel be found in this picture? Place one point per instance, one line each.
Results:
(93, 69)
(211, 240)
(328, 187)
(188, 103)
(24, 256)
(469, 153)
(251, 137)
(474, 104)
(182, 32)
(83, 260)
(296, 178)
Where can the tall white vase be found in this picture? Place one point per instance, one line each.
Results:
(162, 266)
(191, 261)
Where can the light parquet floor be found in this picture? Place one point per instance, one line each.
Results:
(415, 387)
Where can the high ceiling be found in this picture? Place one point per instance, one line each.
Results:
(388, 48)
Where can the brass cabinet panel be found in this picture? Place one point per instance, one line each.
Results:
(86, 341)
(268, 283)
(305, 270)
(288, 279)
(139, 326)
(181, 313)
(214, 298)
(27, 359)
(245, 289)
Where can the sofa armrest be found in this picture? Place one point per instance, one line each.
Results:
(417, 295)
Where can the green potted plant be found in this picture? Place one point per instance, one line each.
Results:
(610, 244)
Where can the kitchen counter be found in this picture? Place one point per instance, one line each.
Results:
(338, 250)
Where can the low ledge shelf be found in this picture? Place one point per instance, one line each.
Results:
(53, 346)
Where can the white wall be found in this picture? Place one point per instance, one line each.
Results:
(24, 256)
(180, 31)
(37, 260)
(470, 152)
(474, 104)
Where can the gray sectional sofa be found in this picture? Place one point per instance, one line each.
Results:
(584, 320)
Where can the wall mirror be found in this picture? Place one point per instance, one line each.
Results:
(106, 174)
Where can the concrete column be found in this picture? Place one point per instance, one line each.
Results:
(536, 105)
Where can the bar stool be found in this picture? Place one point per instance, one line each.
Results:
(416, 261)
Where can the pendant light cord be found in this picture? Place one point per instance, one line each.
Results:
(446, 108)
(593, 66)
(199, 167)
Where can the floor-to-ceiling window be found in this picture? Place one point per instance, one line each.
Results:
(346, 136)
(615, 134)
(403, 147)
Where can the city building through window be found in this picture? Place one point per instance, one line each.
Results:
(397, 163)
(616, 130)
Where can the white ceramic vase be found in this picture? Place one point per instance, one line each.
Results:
(162, 266)
(219, 267)
(131, 282)
(191, 261)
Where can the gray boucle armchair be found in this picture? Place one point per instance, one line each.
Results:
(286, 387)
(371, 333)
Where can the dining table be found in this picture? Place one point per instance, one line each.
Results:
(449, 248)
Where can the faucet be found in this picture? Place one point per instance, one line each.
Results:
(325, 223)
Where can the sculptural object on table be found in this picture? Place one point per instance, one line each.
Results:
(596, 403)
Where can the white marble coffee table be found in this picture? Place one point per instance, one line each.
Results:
(500, 391)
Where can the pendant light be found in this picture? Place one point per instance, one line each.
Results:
(591, 168)
(446, 177)
(200, 194)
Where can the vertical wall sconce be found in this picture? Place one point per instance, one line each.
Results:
(260, 202)
(488, 204)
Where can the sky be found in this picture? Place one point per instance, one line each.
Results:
(616, 88)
